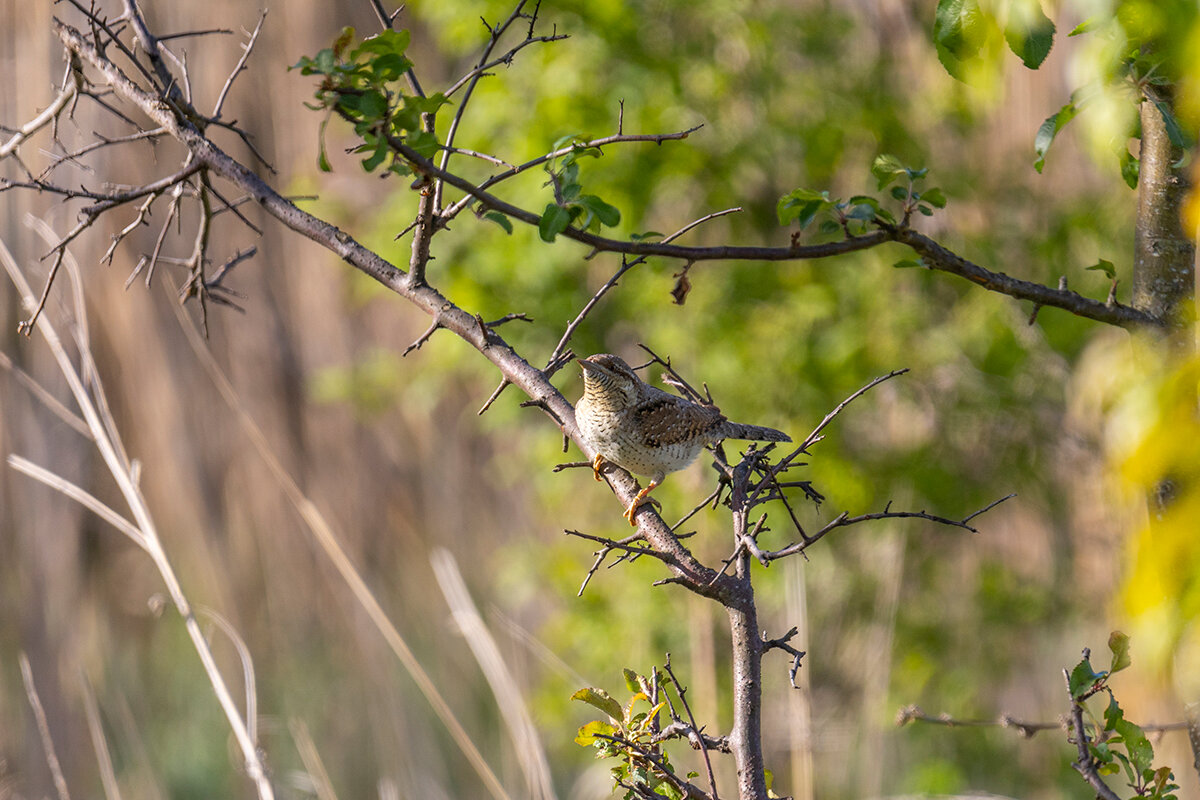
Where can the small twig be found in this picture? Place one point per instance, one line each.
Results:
(504, 384)
(698, 742)
(423, 338)
(912, 713)
(241, 65)
(844, 520)
(784, 643)
(39, 716)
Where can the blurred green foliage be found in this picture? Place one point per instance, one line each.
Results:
(804, 95)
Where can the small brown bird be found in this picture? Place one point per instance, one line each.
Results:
(646, 430)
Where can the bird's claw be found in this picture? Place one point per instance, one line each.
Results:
(597, 463)
(642, 499)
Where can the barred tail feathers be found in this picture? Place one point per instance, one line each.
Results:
(754, 433)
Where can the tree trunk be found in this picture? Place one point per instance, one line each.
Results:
(1164, 255)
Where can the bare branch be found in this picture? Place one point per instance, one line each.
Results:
(844, 520)
(241, 65)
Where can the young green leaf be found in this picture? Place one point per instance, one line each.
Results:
(554, 221)
(908, 263)
(1082, 679)
(1105, 266)
(1130, 167)
(959, 30)
(1049, 129)
(887, 168)
(377, 156)
(1141, 752)
(935, 197)
(501, 220)
(598, 698)
(322, 158)
(1029, 33)
(608, 215)
(1118, 642)
(587, 734)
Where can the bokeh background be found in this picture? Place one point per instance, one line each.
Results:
(391, 449)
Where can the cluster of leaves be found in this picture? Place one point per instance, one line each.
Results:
(629, 735)
(571, 206)
(1119, 743)
(853, 216)
(964, 29)
(1143, 48)
(360, 83)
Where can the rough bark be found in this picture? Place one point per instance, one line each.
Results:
(1164, 254)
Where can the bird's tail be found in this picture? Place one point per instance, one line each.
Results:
(754, 433)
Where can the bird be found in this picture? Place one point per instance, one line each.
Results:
(645, 430)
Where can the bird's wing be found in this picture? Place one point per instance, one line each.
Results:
(665, 419)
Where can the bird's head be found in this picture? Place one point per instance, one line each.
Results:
(609, 380)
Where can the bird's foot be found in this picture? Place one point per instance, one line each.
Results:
(597, 463)
(642, 499)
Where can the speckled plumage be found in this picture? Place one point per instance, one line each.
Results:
(646, 430)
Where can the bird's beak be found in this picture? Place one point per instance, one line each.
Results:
(588, 366)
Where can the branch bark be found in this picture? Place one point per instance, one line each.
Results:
(1164, 258)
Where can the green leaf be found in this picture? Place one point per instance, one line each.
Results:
(1112, 713)
(608, 215)
(554, 221)
(1130, 167)
(801, 205)
(322, 158)
(570, 191)
(1141, 752)
(430, 105)
(587, 733)
(324, 62)
(959, 30)
(899, 193)
(378, 155)
(935, 197)
(631, 680)
(829, 226)
(389, 67)
(1118, 642)
(372, 104)
(501, 220)
(1086, 26)
(908, 263)
(886, 168)
(598, 698)
(641, 237)
(1174, 131)
(1105, 266)
(925, 210)
(388, 42)
(1030, 33)
(424, 142)
(1049, 129)
(1082, 679)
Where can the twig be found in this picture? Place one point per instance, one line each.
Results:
(626, 265)
(784, 643)
(699, 738)
(241, 65)
(39, 717)
(844, 520)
